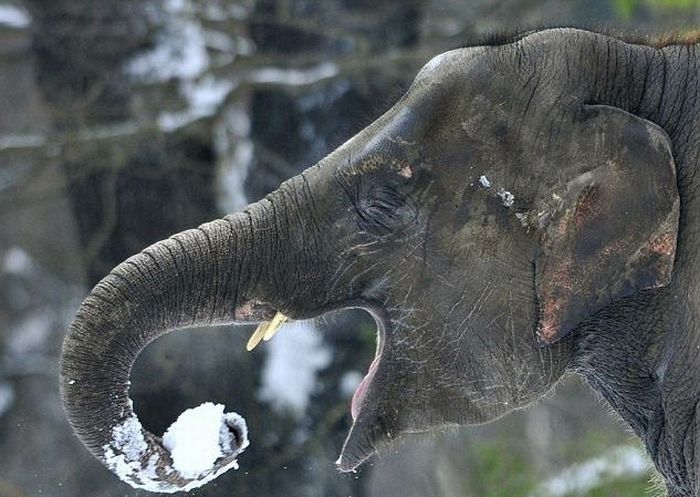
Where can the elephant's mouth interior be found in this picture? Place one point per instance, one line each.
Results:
(362, 389)
(359, 395)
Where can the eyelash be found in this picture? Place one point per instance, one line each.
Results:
(379, 210)
(384, 209)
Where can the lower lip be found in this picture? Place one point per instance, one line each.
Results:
(361, 391)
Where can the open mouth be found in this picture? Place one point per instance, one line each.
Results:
(358, 397)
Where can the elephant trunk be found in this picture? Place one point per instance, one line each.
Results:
(217, 273)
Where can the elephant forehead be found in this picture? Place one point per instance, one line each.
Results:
(448, 63)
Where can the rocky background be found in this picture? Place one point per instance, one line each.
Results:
(123, 121)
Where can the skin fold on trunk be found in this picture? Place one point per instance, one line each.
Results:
(213, 274)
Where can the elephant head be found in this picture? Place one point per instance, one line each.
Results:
(481, 220)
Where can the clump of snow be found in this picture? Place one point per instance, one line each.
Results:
(295, 356)
(14, 17)
(128, 438)
(484, 181)
(194, 439)
(123, 454)
(506, 197)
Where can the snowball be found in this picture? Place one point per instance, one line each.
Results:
(128, 438)
(193, 440)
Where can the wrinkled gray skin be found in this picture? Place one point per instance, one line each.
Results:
(482, 300)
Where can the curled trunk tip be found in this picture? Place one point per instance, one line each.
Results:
(195, 278)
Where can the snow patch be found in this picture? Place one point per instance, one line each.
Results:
(235, 150)
(123, 454)
(218, 12)
(128, 438)
(484, 181)
(14, 17)
(203, 97)
(220, 41)
(30, 335)
(295, 356)
(294, 77)
(180, 50)
(181, 53)
(624, 461)
(16, 261)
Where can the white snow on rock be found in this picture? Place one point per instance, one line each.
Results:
(14, 17)
(294, 358)
(193, 440)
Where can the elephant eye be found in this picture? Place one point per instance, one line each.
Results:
(383, 209)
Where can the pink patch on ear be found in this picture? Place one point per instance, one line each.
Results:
(406, 172)
(549, 327)
(586, 207)
(557, 290)
(664, 244)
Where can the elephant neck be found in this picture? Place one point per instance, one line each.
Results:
(643, 356)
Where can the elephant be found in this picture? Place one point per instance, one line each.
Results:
(524, 210)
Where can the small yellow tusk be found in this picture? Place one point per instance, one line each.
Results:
(265, 331)
(274, 326)
(257, 335)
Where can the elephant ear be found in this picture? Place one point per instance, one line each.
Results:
(611, 231)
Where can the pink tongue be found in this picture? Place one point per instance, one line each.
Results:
(359, 395)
